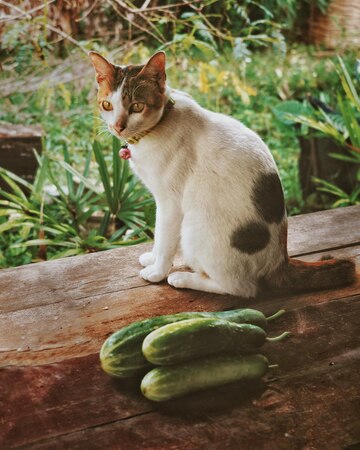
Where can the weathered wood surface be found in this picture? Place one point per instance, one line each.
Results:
(54, 317)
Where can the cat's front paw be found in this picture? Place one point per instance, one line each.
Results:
(153, 274)
(146, 259)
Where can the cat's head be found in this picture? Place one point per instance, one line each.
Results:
(131, 99)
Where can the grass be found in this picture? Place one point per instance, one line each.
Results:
(248, 90)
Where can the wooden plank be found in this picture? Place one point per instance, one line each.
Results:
(74, 278)
(117, 270)
(76, 327)
(73, 317)
(12, 131)
(285, 419)
(324, 230)
(56, 315)
(311, 400)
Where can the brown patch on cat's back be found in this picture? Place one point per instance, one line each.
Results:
(251, 237)
(283, 237)
(268, 197)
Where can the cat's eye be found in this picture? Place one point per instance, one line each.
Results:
(137, 107)
(106, 105)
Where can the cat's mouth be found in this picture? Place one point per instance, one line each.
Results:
(127, 134)
(119, 134)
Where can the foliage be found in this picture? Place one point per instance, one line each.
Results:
(61, 224)
(341, 124)
(233, 57)
(248, 92)
(203, 28)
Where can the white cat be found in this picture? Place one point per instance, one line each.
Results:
(216, 187)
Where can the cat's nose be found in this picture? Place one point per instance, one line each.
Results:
(119, 128)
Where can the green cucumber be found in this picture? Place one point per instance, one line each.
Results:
(168, 382)
(192, 338)
(121, 353)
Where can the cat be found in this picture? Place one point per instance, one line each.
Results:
(216, 185)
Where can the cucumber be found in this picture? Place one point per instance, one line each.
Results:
(121, 353)
(192, 338)
(165, 383)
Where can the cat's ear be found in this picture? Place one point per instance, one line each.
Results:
(155, 68)
(104, 69)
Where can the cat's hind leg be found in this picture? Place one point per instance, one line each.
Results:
(196, 281)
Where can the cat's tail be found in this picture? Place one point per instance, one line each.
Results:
(298, 275)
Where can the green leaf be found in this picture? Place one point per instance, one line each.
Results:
(341, 202)
(327, 129)
(68, 173)
(347, 84)
(104, 175)
(16, 178)
(355, 196)
(38, 242)
(41, 174)
(205, 48)
(128, 180)
(346, 158)
(83, 218)
(287, 112)
(352, 125)
(326, 186)
(118, 233)
(117, 172)
(73, 171)
(15, 188)
(104, 223)
(15, 223)
(67, 253)
(85, 174)
(19, 201)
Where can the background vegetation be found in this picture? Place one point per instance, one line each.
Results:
(247, 59)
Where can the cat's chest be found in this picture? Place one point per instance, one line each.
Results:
(146, 163)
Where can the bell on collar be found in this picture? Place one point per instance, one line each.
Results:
(125, 152)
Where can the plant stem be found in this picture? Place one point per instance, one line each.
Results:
(276, 315)
(279, 338)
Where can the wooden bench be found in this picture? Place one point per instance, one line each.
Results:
(55, 315)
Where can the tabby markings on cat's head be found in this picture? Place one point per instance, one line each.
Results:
(131, 99)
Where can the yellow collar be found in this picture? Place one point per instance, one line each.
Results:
(136, 138)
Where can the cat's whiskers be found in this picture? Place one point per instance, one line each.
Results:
(101, 127)
(103, 132)
(93, 116)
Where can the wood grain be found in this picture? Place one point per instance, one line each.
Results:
(324, 230)
(54, 317)
(317, 382)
